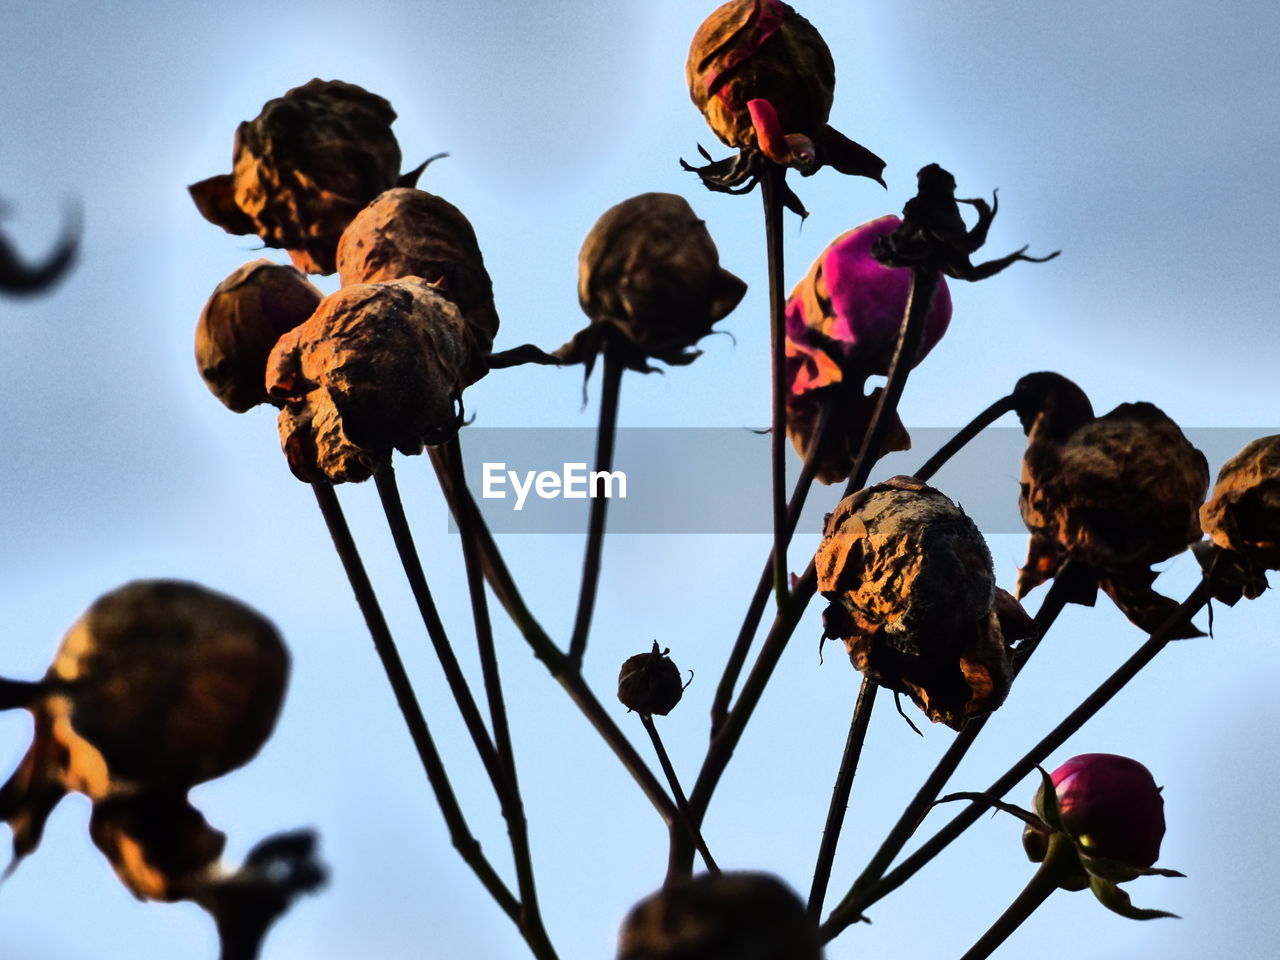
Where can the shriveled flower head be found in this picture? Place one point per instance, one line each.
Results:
(1116, 493)
(650, 683)
(303, 168)
(378, 366)
(242, 320)
(412, 233)
(650, 279)
(724, 916)
(764, 79)
(161, 685)
(913, 597)
(842, 326)
(1243, 513)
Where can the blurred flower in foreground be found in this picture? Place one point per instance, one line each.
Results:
(913, 597)
(20, 279)
(650, 279)
(649, 683)
(242, 320)
(725, 916)
(303, 168)
(1242, 517)
(764, 79)
(377, 366)
(1116, 493)
(843, 320)
(412, 233)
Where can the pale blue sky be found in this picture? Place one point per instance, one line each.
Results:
(1138, 137)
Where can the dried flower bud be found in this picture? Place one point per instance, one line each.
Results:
(650, 279)
(377, 366)
(242, 320)
(412, 233)
(915, 602)
(161, 685)
(1243, 514)
(1116, 493)
(764, 79)
(843, 320)
(724, 916)
(650, 683)
(307, 164)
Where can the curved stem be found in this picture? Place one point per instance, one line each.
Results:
(612, 376)
(771, 187)
(466, 844)
(953, 446)
(686, 820)
(840, 795)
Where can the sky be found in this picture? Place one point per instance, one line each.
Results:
(1137, 137)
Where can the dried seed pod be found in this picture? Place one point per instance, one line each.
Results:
(1116, 493)
(242, 320)
(650, 279)
(1243, 514)
(412, 233)
(650, 683)
(161, 685)
(842, 326)
(913, 597)
(377, 366)
(723, 916)
(303, 168)
(763, 78)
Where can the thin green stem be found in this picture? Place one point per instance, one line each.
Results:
(682, 803)
(771, 187)
(612, 376)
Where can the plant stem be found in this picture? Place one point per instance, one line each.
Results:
(1058, 862)
(466, 845)
(840, 795)
(18, 693)
(770, 188)
(682, 803)
(531, 921)
(851, 910)
(612, 377)
(953, 446)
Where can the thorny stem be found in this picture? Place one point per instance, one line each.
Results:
(1057, 864)
(923, 801)
(464, 508)
(755, 610)
(466, 845)
(686, 820)
(771, 184)
(612, 376)
(967, 433)
(840, 795)
(851, 910)
(531, 922)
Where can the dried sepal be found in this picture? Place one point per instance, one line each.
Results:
(377, 367)
(160, 846)
(241, 321)
(649, 683)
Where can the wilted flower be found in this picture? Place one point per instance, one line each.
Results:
(242, 320)
(764, 79)
(1243, 513)
(843, 320)
(412, 233)
(303, 168)
(649, 683)
(650, 279)
(377, 366)
(723, 916)
(913, 597)
(1116, 493)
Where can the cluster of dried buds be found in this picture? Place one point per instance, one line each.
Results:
(158, 687)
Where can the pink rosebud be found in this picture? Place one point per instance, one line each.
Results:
(1111, 807)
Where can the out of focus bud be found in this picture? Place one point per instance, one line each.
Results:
(650, 683)
(303, 168)
(913, 597)
(377, 366)
(650, 279)
(412, 233)
(843, 320)
(725, 916)
(1243, 513)
(247, 313)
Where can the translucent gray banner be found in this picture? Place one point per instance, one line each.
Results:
(716, 480)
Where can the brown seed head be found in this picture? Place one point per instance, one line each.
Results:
(1243, 514)
(649, 683)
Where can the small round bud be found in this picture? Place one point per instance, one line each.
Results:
(650, 683)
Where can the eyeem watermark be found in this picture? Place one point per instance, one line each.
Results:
(573, 482)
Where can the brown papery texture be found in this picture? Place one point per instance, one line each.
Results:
(649, 683)
(1243, 514)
